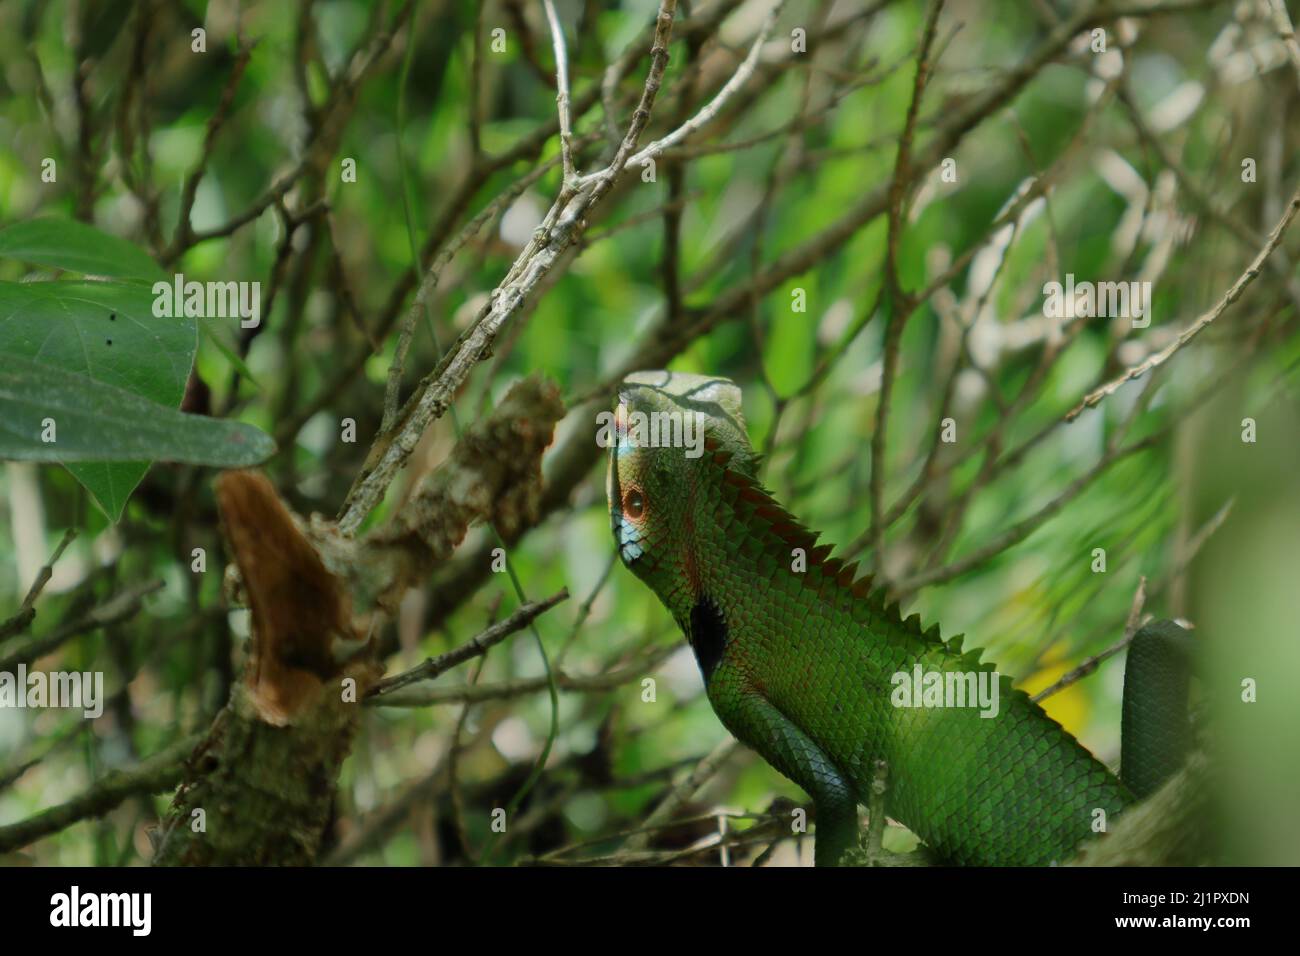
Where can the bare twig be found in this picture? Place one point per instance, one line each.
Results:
(26, 611)
(433, 276)
(1092, 663)
(1279, 262)
(1023, 528)
(476, 646)
(562, 90)
(712, 108)
(683, 792)
(1092, 399)
(118, 608)
(328, 121)
(625, 857)
(184, 232)
(476, 84)
(900, 303)
(507, 690)
(1188, 554)
(155, 774)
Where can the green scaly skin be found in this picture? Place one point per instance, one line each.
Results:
(798, 665)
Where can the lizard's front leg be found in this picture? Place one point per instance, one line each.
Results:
(753, 719)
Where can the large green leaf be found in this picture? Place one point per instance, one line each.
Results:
(96, 422)
(107, 332)
(75, 247)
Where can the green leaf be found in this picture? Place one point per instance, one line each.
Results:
(107, 332)
(95, 422)
(76, 247)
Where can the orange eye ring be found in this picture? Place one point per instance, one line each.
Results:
(634, 504)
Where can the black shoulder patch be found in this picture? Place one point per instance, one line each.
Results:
(708, 634)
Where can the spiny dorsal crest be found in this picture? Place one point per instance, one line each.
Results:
(835, 576)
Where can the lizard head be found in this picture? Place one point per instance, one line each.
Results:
(657, 455)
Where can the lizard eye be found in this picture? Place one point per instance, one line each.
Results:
(634, 504)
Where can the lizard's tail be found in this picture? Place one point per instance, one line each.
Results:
(1156, 725)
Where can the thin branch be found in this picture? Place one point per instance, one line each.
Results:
(476, 85)
(315, 152)
(1025, 527)
(1234, 292)
(1189, 553)
(1092, 663)
(118, 608)
(682, 793)
(156, 774)
(712, 108)
(585, 610)
(562, 89)
(26, 611)
(520, 687)
(433, 276)
(900, 304)
(463, 194)
(624, 857)
(216, 121)
(476, 646)
(1247, 237)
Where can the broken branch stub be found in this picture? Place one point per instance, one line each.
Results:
(258, 789)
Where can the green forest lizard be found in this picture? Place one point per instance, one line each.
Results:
(800, 659)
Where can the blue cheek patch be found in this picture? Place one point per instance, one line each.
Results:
(628, 537)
